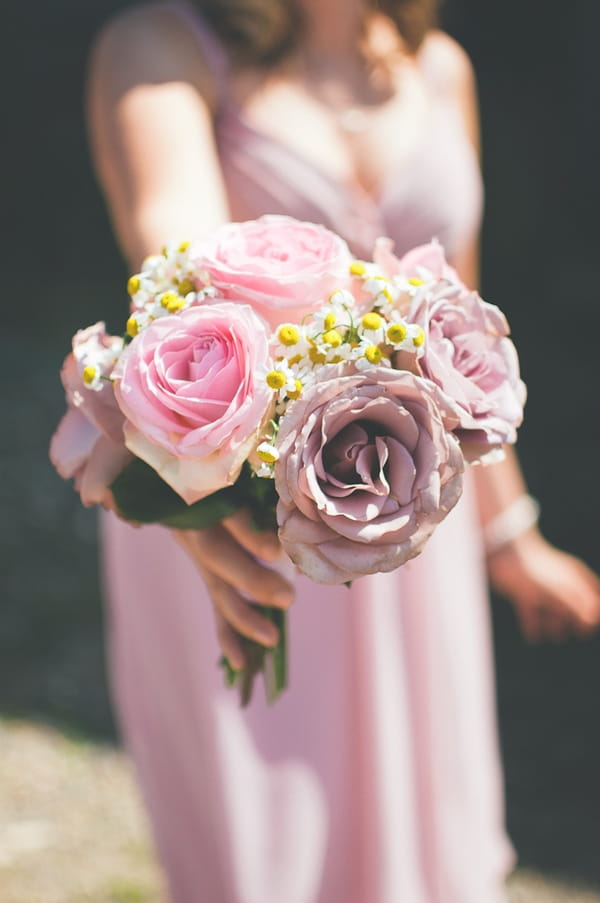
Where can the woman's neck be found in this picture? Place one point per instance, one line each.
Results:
(345, 56)
(334, 28)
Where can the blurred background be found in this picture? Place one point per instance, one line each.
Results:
(540, 96)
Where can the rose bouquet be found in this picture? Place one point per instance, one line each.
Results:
(337, 399)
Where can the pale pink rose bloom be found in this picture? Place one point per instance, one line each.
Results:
(88, 443)
(468, 354)
(367, 469)
(193, 390)
(282, 267)
(423, 260)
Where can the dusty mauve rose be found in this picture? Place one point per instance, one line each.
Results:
(88, 443)
(367, 468)
(191, 387)
(282, 267)
(467, 351)
(468, 354)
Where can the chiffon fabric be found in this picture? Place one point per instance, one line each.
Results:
(376, 777)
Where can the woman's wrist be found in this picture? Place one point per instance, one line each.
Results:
(511, 525)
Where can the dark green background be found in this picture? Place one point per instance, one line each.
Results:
(539, 89)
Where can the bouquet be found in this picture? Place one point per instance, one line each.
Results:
(338, 399)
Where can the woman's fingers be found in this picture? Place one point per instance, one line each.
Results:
(555, 594)
(215, 551)
(587, 589)
(530, 622)
(229, 641)
(241, 615)
(260, 543)
(231, 573)
(556, 625)
(574, 597)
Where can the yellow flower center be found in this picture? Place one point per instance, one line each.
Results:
(185, 287)
(132, 327)
(294, 360)
(396, 333)
(276, 380)
(419, 338)
(288, 335)
(133, 285)
(372, 321)
(316, 356)
(373, 354)
(183, 246)
(414, 280)
(330, 321)
(297, 392)
(333, 337)
(267, 456)
(168, 299)
(89, 375)
(174, 305)
(358, 268)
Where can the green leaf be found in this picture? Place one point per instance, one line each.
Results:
(142, 495)
(204, 513)
(276, 675)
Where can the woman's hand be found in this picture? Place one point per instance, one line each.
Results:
(554, 593)
(226, 557)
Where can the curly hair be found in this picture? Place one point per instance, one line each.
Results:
(264, 31)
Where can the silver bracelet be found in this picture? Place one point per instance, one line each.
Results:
(507, 526)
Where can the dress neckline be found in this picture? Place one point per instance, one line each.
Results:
(349, 187)
(230, 115)
(228, 111)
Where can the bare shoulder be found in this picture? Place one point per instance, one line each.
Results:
(452, 71)
(148, 44)
(448, 60)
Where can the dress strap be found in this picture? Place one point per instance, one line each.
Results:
(209, 42)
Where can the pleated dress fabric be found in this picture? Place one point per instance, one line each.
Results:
(376, 777)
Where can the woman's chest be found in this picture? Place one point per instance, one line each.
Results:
(405, 169)
(357, 142)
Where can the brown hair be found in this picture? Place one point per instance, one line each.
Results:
(265, 31)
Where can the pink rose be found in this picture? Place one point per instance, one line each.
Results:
(193, 390)
(467, 351)
(281, 267)
(468, 354)
(424, 261)
(88, 444)
(367, 468)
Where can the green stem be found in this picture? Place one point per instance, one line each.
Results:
(271, 662)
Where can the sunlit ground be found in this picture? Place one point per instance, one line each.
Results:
(72, 829)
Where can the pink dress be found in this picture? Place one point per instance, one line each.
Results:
(376, 777)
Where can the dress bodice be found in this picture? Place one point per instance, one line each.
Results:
(437, 192)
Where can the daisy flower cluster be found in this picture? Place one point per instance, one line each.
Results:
(95, 356)
(362, 329)
(168, 283)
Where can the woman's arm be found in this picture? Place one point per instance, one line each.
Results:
(150, 105)
(553, 593)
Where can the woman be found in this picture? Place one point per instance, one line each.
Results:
(375, 778)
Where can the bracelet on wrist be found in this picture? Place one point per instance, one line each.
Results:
(511, 523)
